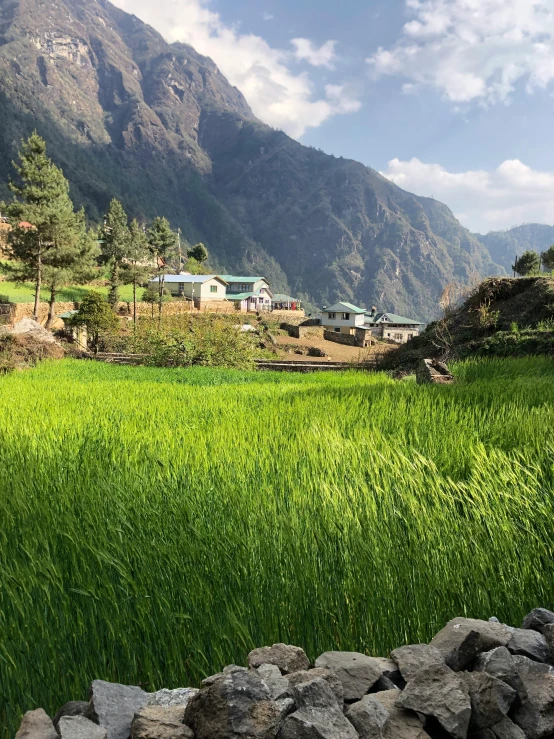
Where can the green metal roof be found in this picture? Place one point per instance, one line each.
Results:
(232, 279)
(338, 308)
(391, 318)
(280, 298)
(239, 296)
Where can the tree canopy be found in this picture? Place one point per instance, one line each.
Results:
(529, 263)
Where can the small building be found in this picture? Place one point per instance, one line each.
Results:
(285, 302)
(249, 293)
(197, 288)
(391, 327)
(343, 318)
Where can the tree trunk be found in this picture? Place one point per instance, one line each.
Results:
(161, 288)
(38, 283)
(51, 314)
(113, 298)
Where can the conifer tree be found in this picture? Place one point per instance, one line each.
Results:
(116, 240)
(41, 214)
(134, 271)
(162, 243)
(548, 258)
(529, 263)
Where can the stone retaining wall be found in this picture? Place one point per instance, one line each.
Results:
(347, 339)
(476, 678)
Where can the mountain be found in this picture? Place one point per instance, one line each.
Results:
(157, 125)
(504, 246)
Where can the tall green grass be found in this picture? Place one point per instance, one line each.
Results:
(158, 524)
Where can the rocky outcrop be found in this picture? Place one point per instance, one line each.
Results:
(433, 372)
(475, 680)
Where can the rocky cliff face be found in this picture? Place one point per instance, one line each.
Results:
(157, 125)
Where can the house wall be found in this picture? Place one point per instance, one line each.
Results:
(195, 290)
(355, 320)
(398, 334)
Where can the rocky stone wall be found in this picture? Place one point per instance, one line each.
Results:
(475, 678)
(348, 339)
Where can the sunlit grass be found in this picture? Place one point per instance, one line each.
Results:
(158, 524)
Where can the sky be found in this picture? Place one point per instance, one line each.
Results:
(451, 99)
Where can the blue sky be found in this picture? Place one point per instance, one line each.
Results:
(448, 98)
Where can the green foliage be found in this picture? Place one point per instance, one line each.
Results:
(548, 258)
(135, 272)
(529, 263)
(97, 315)
(116, 244)
(158, 524)
(163, 244)
(183, 342)
(199, 253)
(47, 238)
(5, 298)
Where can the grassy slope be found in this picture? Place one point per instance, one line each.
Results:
(73, 294)
(157, 524)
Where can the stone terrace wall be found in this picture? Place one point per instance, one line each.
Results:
(340, 338)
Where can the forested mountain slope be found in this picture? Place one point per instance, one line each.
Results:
(157, 125)
(504, 246)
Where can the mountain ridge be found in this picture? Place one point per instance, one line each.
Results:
(157, 125)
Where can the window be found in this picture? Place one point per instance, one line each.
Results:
(346, 316)
(213, 288)
(337, 330)
(410, 336)
(244, 287)
(398, 337)
(332, 316)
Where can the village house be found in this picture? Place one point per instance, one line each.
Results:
(391, 327)
(200, 289)
(248, 293)
(343, 318)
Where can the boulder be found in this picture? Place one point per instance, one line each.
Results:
(535, 715)
(439, 692)
(506, 729)
(79, 727)
(229, 670)
(414, 657)
(548, 633)
(530, 644)
(328, 675)
(538, 619)
(238, 704)
(318, 716)
(177, 697)
(278, 685)
(287, 658)
(113, 706)
(430, 371)
(462, 639)
(500, 664)
(491, 699)
(389, 668)
(357, 672)
(378, 717)
(36, 725)
(73, 708)
(382, 685)
(160, 722)
(285, 706)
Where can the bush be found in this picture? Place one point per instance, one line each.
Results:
(5, 298)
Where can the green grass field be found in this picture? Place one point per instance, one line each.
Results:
(25, 293)
(158, 524)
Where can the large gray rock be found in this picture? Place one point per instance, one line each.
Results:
(438, 691)
(177, 697)
(161, 722)
(491, 699)
(500, 664)
(284, 656)
(113, 706)
(36, 725)
(357, 672)
(73, 708)
(318, 716)
(79, 727)
(506, 729)
(235, 705)
(530, 644)
(329, 676)
(414, 657)
(278, 685)
(535, 715)
(389, 668)
(462, 639)
(537, 619)
(378, 717)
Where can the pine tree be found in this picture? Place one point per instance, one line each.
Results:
(134, 271)
(548, 258)
(96, 314)
(162, 243)
(116, 240)
(199, 253)
(41, 214)
(529, 263)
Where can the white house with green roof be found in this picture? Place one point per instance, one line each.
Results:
(343, 318)
(391, 327)
(248, 293)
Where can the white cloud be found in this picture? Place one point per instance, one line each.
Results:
(483, 201)
(268, 16)
(473, 50)
(304, 49)
(279, 96)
